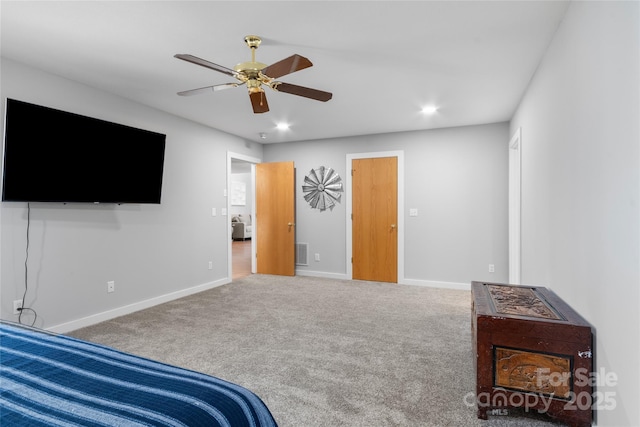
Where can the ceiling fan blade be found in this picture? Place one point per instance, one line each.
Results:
(259, 102)
(215, 88)
(206, 64)
(286, 66)
(316, 94)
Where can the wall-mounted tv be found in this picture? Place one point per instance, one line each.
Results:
(56, 156)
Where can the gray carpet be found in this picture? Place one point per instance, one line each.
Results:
(322, 352)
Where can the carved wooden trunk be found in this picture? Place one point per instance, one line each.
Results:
(532, 351)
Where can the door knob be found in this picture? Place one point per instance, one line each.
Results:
(291, 224)
(393, 226)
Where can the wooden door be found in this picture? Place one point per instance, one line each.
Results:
(375, 218)
(275, 218)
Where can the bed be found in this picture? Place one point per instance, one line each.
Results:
(48, 379)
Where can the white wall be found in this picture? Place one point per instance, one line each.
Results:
(581, 185)
(152, 252)
(456, 178)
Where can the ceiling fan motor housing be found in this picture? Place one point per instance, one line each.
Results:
(250, 67)
(250, 70)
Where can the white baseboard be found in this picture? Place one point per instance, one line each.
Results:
(131, 308)
(435, 284)
(309, 273)
(412, 282)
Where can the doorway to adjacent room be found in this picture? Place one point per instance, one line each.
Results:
(240, 175)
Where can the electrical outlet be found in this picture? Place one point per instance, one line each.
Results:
(317, 257)
(492, 268)
(17, 305)
(210, 265)
(111, 286)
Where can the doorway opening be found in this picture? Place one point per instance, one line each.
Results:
(241, 214)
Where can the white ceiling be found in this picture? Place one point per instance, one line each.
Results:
(382, 60)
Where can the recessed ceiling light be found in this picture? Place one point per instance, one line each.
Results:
(429, 109)
(282, 126)
(263, 135)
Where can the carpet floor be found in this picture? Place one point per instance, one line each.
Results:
(322, 352)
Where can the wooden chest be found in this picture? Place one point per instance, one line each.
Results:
(532, 351)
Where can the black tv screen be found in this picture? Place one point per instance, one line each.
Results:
(57, 156)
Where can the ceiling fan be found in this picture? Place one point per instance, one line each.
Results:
(256, 75)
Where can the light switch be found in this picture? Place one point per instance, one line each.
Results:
(413, 212)
(223, 211)
(214, 212)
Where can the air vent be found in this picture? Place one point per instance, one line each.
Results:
(302, 252)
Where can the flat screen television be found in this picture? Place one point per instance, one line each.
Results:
(57, 156)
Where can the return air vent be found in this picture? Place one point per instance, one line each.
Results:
(302, 254)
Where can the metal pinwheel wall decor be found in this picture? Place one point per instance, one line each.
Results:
(322, 188)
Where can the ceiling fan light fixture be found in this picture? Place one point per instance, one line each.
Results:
(254, 86)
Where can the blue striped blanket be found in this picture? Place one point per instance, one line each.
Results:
(55, 380)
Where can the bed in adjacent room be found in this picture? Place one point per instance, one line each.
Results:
(48, 379)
